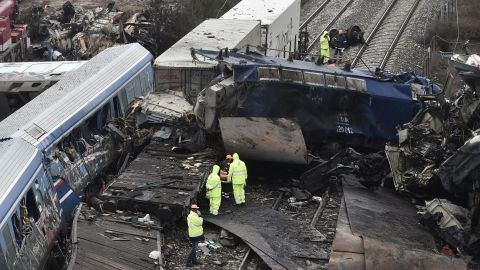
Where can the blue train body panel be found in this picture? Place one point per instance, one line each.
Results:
(354, 107)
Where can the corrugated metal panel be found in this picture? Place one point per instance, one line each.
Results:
(267, 11)
(18, 162)
(36, 71)
(212, 34)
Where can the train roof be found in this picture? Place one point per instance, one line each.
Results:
(19, 161)
(60, 107)
(211, 34)
(36, 71)
(266, 11)
(245, 67)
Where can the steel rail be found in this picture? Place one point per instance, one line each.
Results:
(314, 14)
(310, 47)
(372, 34)
(399, 34)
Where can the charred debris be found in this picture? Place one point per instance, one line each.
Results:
(74, 32)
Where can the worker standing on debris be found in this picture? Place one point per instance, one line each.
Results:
(237, 174)
(325, 46)
(214, 190)
(195, 233)
(224, 167)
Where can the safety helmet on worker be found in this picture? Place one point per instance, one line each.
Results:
(194, 206)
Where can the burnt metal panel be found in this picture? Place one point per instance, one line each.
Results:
(270, 139)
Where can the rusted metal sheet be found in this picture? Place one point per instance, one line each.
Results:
(379, 230)
(387, 255)
(269, 139)
(386, 216)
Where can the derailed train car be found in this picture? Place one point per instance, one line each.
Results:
(289, 105)
(58, 144)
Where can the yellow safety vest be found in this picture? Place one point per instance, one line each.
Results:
(214, 185)
(195, 225)
(237, 173)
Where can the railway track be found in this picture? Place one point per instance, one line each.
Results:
(320, 20)
(385, 35)
(327, 26)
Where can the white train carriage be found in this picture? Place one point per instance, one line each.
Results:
(280, 23)
(175, 69)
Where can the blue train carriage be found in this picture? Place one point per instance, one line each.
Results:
(78, 149)
(29, 211)
(355, 107)
(63, 146)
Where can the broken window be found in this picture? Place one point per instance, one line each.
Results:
(316, 79)
(268, 74)
(290, 75)
(32, 207)
(117, 107)
(17, 229)
(356, 84)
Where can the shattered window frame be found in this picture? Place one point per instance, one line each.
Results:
(268, 74)
(314, 78)
(292, 75)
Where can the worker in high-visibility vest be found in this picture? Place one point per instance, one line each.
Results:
(214, 190)
(237, 174)
(195, 233)
(325, 47)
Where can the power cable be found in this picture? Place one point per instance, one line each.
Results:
(218, 13)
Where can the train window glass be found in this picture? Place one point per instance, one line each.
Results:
(290, 75)
(341, 82)
(317, 79)
(3, 262)
(330, 80)
(357, 84)
(268, 74)
(10, 246)
(32, 206)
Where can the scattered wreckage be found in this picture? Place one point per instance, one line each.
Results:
(78, 33)
(437, 157)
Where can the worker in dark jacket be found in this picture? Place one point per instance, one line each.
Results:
(224, 167)
(340, 43)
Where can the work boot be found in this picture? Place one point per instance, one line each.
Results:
(189, 264)
(197, 263)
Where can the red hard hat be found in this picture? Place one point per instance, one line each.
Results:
(194, 206)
